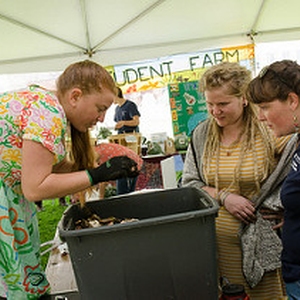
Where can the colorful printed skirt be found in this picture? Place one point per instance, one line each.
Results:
(21, 275)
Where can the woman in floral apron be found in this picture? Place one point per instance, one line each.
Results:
(33, 165)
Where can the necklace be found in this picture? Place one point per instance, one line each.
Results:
(229, 148)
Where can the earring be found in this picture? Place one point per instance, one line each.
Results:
(296, 125)
(245, 101)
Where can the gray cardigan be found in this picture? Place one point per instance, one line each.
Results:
(260, 244)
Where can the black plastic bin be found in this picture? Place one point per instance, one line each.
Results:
(170, 253)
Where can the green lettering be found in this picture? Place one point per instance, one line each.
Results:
(141, 74)
(130, 75)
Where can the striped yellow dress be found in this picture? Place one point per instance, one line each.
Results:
(227, 226)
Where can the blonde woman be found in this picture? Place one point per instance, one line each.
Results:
(33, 164)
(234, 158)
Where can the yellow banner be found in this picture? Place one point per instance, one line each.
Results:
(147, 75)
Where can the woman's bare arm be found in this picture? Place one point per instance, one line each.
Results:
(38, 180)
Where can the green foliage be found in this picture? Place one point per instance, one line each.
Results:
(103, 133)
(181, 142)
(48, 219)
(110, 191)
(154, 148)
(178, 175)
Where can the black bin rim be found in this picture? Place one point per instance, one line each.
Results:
(212, 210)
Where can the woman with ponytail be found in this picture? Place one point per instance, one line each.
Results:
(34, 164)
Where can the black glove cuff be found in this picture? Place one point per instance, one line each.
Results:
(90, 177)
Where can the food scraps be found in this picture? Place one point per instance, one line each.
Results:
(95, 221)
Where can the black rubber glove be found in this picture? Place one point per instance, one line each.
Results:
(115, 168)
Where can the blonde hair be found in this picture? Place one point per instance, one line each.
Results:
(232, 75)
(236, 79)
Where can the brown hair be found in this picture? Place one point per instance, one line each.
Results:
(119, 92)
(89, 77)
(275, 81)
(235, 78)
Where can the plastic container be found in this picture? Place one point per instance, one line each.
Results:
(170, 253)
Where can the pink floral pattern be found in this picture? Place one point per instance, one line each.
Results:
(36, 115)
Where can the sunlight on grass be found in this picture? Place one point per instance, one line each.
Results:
(48, 220)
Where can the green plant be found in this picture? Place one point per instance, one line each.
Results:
(110, 191)
(154, 148)
(103, 133)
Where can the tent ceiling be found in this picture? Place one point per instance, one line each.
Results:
(42, 36)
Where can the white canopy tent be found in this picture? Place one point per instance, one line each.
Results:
(48, 35)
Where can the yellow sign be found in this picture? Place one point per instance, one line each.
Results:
(161, 72)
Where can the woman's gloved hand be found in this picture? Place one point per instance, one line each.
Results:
(114, 168)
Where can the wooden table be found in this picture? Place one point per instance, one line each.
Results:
(60, 273)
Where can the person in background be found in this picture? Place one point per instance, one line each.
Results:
(127, 115)
(33, 164)
(276, 91)
(233, 157)
(127, 118)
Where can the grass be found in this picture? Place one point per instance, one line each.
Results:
(50, 216)
(48, 220)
